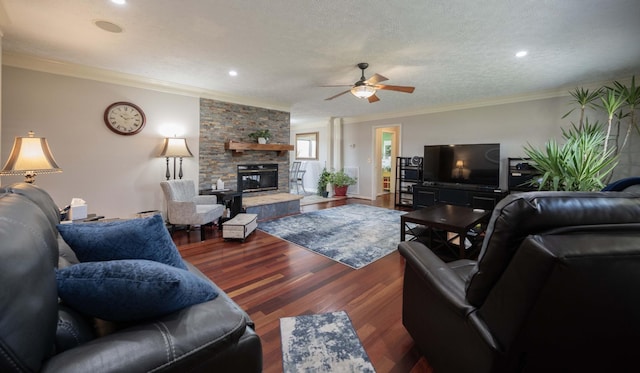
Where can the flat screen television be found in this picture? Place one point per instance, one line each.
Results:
(468, 164)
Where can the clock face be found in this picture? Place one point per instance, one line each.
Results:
(124, 118)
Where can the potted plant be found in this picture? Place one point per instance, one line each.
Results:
(619, 104)
(261, 135)
(580, 164)
(323, 181)
(341, 182)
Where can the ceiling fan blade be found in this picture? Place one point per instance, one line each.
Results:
(398, 88)
(375, 79)
(339, 94)
(373, 98)
(337, 85)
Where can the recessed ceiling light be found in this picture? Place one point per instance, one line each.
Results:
(108, 26)
(233, 73)
(119, 2)
(521, 54)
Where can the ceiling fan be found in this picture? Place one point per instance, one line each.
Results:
(366, 88)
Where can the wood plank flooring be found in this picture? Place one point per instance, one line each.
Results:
(271, 278)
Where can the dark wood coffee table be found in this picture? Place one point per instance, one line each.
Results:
(447, 218)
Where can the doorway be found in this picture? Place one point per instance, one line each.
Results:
(386, 151)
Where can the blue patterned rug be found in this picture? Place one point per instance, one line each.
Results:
(354, 235)
(322, 343)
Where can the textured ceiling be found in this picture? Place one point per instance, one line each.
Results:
(453, 52)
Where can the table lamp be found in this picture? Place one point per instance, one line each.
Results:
(30, 156)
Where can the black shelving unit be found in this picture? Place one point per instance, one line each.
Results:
(521, 171)
(408, 174)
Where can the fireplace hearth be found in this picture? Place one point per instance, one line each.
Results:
(257, 177)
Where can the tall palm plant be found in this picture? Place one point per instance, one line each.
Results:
(581, 163)
(632, 101)
(612, 101)
(585, 99)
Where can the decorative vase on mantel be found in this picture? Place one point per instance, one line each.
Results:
(261, 135)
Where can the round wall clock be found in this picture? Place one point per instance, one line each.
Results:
(124, 118)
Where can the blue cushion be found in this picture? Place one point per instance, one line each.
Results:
(129, 290)
(146, 238)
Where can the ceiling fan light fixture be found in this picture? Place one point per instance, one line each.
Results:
(363, 91)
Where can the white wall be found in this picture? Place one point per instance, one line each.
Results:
(313, 167)
(512, 125)
(117, 175)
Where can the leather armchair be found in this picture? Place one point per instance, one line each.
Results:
(185, 207)
(40, 334)
(555, 289)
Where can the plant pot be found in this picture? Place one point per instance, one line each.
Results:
(325, 194)
(340, 191)
(262, 140)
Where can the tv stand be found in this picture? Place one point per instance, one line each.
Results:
(474, 196)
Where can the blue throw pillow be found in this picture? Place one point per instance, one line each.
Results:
(129, 290)
(145, 238)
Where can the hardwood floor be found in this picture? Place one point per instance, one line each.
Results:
(271, 278)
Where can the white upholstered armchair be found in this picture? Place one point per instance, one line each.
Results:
(186, 207)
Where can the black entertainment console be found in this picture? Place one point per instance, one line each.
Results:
(477, 197)
(459, 174)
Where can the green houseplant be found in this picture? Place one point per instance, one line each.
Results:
(619, 104)
(590, 152)
(581, 163)
(261, 135)
(323, 181)
(341, 182)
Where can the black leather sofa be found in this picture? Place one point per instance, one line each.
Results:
(39, 334)
(556, 288)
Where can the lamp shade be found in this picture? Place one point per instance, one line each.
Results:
(30, 156)
(363, 91)
(175, 147)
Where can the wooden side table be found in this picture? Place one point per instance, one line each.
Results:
(231, 199)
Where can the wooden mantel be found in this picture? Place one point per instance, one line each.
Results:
(239, 147)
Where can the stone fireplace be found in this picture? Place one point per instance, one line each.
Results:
(257, 177)
(221, 122)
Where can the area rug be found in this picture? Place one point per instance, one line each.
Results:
(322, 343)
(354, 235)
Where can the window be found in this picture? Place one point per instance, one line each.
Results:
(307, 145)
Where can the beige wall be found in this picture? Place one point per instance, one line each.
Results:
(117, 175)
(511, 125)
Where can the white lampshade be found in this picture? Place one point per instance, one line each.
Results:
(30, 156)
(363, 91)
(175, 147)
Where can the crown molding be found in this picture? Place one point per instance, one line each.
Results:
(455, 107)
(30, 62)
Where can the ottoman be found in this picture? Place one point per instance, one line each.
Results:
(240, 226)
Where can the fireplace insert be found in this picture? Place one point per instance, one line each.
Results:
(257, 177)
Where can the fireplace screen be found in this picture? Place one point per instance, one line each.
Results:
(257, 177)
